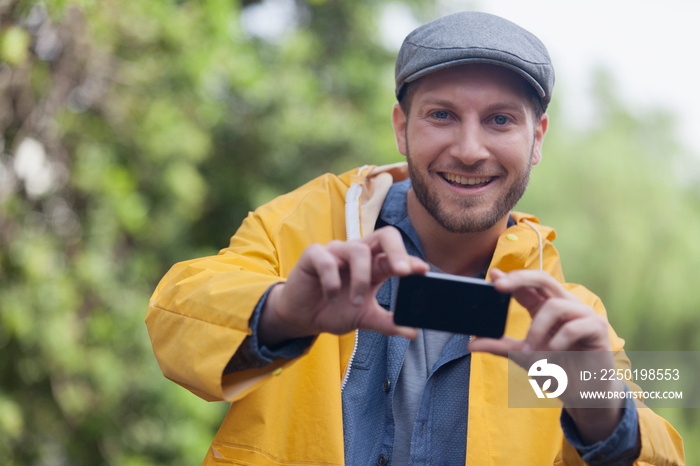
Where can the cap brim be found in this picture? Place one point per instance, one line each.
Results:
(464, 61)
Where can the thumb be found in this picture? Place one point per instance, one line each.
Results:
(499, 347)
(380, 320)
(495, 274)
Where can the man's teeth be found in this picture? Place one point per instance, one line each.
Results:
(466, 181)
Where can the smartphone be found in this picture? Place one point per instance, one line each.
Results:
(451, 303)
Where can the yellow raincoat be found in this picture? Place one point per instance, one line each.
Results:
(289, 413)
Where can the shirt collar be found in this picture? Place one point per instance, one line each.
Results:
(394, 212)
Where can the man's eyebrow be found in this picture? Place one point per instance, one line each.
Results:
(449, 104)
(513, 106)
(437, 102)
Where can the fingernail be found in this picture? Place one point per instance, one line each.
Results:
(357, 299)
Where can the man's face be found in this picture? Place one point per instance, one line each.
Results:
(470, 140)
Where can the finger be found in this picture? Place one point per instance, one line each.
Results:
(318, 262)
(418, 265)
(354, 258)
(359, 258)
(388, 240)
(382, 269)
(535, 279)
(555, 313)
(531, 288)
(496, 273)
(497, 346)
(530, 298)
(380, 320)
(587, 333)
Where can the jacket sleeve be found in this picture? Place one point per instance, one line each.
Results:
(199, 313)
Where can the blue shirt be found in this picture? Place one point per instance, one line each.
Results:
(438, 434)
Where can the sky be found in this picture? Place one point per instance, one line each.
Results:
(648, 45)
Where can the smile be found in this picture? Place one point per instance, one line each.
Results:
(467, 181)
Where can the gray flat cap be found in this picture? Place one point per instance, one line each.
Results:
(475, 37)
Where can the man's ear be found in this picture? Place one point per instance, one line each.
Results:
(399, 120)
(540, 131)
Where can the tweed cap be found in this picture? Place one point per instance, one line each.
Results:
(475, 37)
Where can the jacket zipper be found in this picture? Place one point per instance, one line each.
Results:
(353, 230)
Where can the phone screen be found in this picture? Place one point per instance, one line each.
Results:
(451, 303)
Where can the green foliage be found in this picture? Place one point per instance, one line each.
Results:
(14, 45)
(135, 135)
(623, 197)
(625, 219)
(138, 134)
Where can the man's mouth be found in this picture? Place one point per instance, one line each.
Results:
(465, 181)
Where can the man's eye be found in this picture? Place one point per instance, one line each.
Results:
(441, 115)
(500, 120)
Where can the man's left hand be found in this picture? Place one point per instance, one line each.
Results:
(560, 322)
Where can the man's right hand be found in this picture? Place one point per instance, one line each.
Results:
(332, 289)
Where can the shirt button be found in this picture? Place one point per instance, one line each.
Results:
(386, 386)
(382, 460)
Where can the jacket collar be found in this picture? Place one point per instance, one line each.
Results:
(523, 245)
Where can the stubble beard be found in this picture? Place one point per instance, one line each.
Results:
(468, 221)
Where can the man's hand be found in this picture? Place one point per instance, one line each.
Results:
(332, 289)
(560, 322)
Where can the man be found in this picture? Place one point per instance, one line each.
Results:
(290, 322)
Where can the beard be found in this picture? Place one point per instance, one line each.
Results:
(468, 219)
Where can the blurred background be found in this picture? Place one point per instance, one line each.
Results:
(139, 134)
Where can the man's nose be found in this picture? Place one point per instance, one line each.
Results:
(469, 143)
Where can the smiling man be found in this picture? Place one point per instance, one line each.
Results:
(470, 135)
(291, 322)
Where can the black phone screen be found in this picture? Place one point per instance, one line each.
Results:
(451, 303)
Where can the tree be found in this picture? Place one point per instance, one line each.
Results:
(623, 197)
(135, 135)
(139, 134)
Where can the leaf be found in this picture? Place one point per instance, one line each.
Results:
(14, 45)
